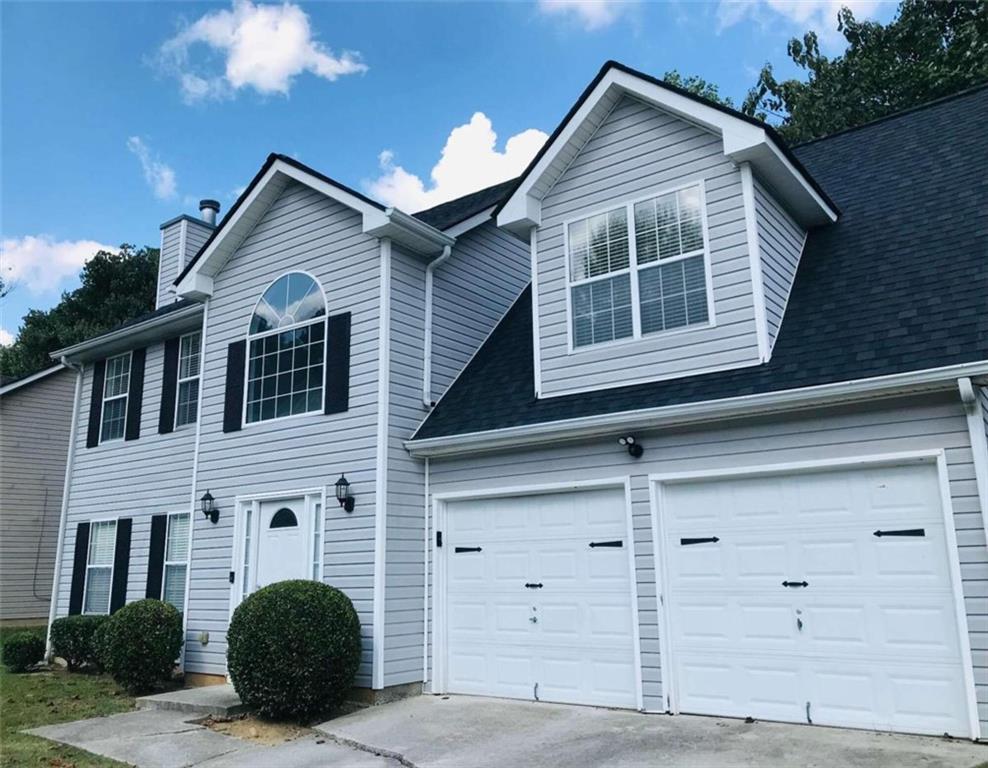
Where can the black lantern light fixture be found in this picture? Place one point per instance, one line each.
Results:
(209, 508)
(343, 493)
(635, 449)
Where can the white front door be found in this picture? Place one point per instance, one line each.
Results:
(815, 596)
(539, 601)
(282, 542)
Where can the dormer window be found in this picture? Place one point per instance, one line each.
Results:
(663, 266)
(286, 350)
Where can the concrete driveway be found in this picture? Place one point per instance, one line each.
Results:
(468, 732)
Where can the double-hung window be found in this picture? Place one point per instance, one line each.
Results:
(176, 560)
(115, 387)
(99, 566)
(187, 407)
(628, 284)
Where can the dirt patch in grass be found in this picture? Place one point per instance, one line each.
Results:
(254, 729)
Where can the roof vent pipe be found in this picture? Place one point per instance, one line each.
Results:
(208, 210)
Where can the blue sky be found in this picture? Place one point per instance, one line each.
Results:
(118, 116)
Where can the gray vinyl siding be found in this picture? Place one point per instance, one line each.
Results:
(195, 237)
(471, 291)
(404, 567)
(639, 150)
(34, 444)
(930, 422)
(128, 478)
(302, 230)
(168, 263)
(780, 241)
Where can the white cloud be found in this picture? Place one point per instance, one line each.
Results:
(470, 161)
(264, 47)
(40, 263)
(818, 15)
(159, 176)
(590, 14)
(6, 338)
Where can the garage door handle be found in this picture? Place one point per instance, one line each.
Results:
(466, 549)
(905, 532)
(617, 543)
(703, 540)
(529, 585)
(795, 583)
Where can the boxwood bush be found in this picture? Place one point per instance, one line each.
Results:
(73, 639)
(23, 650)
(140, 643)
(293, 649)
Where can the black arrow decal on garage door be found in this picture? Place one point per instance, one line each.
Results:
(705, 540)
(466, 549)
(618, 543)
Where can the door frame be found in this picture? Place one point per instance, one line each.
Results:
(438, 594)
(252, 501)
(936, 457)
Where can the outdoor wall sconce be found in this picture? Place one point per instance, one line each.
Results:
(343, 494)
(635, 449)
(209, 508)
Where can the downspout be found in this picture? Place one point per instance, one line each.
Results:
(979, 442)
(427, 354)
(63, 518)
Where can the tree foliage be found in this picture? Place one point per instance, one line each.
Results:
(115, 287)
(697, 85)
(929, 50)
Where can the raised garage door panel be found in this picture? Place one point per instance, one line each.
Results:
(579, 647)
(872, 640)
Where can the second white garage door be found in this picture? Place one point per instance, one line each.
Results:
(539, 600)
(821, 596)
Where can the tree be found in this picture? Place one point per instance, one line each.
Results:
(115, 287)
(929, 50)
(697, 85)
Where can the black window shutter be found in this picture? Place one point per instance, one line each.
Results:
(337, 396)
(156, 557)
(135, 394)
(233, 406)
(121, 565)
(79, 561)
(169, 383)
(96, 404)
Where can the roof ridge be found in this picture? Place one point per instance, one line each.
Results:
(894, 115)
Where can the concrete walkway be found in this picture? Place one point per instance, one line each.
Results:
(468, 732)
(156, 738)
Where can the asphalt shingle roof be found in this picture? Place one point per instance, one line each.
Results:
(446, 215)
(899, 283)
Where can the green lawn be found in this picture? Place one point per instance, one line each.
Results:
(41, 698)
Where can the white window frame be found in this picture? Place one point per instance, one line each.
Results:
(125, 396)
(254, 336)
(89, 545)
(187, 562)
(634, 268)
(182, 380)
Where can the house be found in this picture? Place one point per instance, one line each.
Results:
(35, 419)
(680, 420)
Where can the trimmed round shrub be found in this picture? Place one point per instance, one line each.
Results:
(73, 639)
(293, 649)
(140, 643)
(99, 644)
(23, 650)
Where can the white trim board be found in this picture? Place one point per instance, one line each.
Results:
(15, 385)
(936, 457)
(755, 260)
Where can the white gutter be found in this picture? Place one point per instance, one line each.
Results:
(932, 379)
(427, 353)
(63, 517)
(976, 426)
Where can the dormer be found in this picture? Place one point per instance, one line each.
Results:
(665, 231)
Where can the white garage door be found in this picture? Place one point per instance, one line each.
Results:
(822, 596)
(539, 598)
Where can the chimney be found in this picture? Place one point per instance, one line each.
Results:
(208, 210)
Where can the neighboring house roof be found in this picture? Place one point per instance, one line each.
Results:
(8, 385)
(898, 284)
(163, 321)
(449, 214)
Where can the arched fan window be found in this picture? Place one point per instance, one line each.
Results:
(287, 347)
(284, 518)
